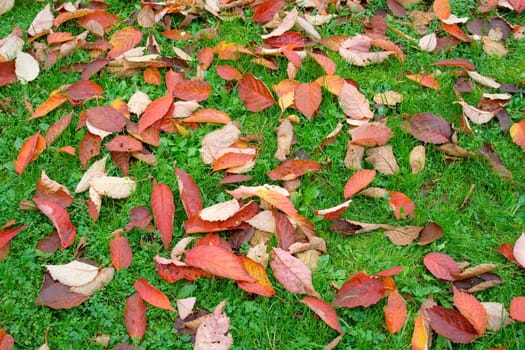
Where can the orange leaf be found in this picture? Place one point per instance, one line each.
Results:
(277, 200)
(400, 201)
(177, 34)
(517, 133)
(67, 16)
(7, 235)
(517, 309)
(332, 83)
(196, 225)
(89, 148)
(395, 312)
(60, 218)
(308, 98)
(152, 76)
(231, 160)
(472, 309)
(451, 324)
(123, 40)
(155, 111)
(254, 93)
(152, 295)
(29, 151)
(228, 73)
(426, 80)
(262, 286)
(124, 143)
(461, 63)
(121, 253)
(371, 134)
(49, 105)
(189, 90)
(421, 335)
(105, 19)
(208, 116)
(324, 311)
(441, 266)
(324, 61)
(456, 31)
(292, 273)
(293, 168)
(360, 290)
(218, 261)
(441, 9)
(358, 181)
(56, 129)
(135, 316)
(205, 57)
(164, 211)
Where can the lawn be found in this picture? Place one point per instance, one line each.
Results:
(477, 207)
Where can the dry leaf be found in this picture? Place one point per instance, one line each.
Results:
(402, 235)
(104, 276)
(383, 160)
(113, 187)
(213, 332)
(74, 273)
(26, 67)
(498, 316)
(285, 138)
(220, 211)
(388, 98)
(417, 159)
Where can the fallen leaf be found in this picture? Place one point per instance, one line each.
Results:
(371, 134)
(57, 128)
(112, 186)
(483, 80)
(123, 40)
(395, 312)
(308, 98)
(360, 290)
(517, 133)
(285, 137)
(220, 211)
(441, 9)
(333, 212)
(7, 342)
(74, 273)
(262, 286)
(213, 332)
(324, 311)
(441, 266)
(428, 127)
(52, 102)
(430, 233)
(135, 316)
(388, 98)
(383, 160)
(83, 90)
(121, 253)
(7, 235)
(422, 336)
(286, 24)
(60, 218)
(189, 90)
(426, 80)
(472, 310)
(189, 193)
(402, 205)
(356, 51)
(163, 211)
(354, 103)
(292, 273)
(152, 295)
(477, 116)
(498, 316)
(495, 162)
(451, 324)
(254, 93)
(155, 111)
(57, 295)
(104, 276)
(517, 309)
(417, 159)
(358, 181)
(402, 235)
(293, 168)
(26, 67)
(49, 244)
(29, 151)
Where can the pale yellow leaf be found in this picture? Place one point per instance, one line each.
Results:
(74, 273)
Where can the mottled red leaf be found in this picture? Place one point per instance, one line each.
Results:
(228, 73)
(218, 261)
(285, 232)
(48, 105)
(106, 118)
(152, 295)
(57, 128)
(123, 40)
(292, 273)
(29, 151)
(293, 168)
(517, 309)
(135, 316)
(139, 217)
(124, 143)
(254, 93)
(358, 181)
(324, 311)
(60, 218)
(196, 225)
(205, 57)
(7, 235)
(308, 98)
(262, 286)
(428, 127)
(451, 324)
(395, 312)
(402, 205)
(7, 73)
(371, 134)
(83, 90)
(441, 266)
(163, 211)
(287, 40)
(89, 148)
(360, 290)
(189, 90)
(155, 111)
(121, 253)
(265, 11)
(472, 310)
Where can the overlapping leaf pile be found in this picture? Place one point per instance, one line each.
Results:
(256, 215)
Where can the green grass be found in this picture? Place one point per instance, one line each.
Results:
(495, 213)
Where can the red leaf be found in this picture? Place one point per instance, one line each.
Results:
(395, 312)
(49, 244)
(234, 178)
(293, 168)
(192, 90)
(231, 160)
(400, 201)
(472, 310)
(7, 235)
(428, 127)
(265, 11)
(507, 250)
(60, 218)
(441, 266)
(455, 31)
(426, 80)
(441, 9)
(451, 324)
(29, 151)
(163, 211)
(519, 250)
(135, 316)
(284, 230)
(277, 200)
(254, 93)
(105, 19)
(371, 134)
(218, 261)
(83, 90)
(121, 253)
(360, 290)
(393, 271)
(292, 273)
(155, 111)
(189, 193)
(461, 63)
(52, 191)
(228, 73)
(170, 272)
(519, 5)
(152, 76)
(324, 311)
(124, 143)
(196, 225)
(152, 295)
(358, 181)
(208, 116)
(333, 212)
(57, 128)
(308, 98)
(106, 118)
(287, 40)
(262, 286)
(89, 148)
(48, 105)
(7, 342)
(123, 40)
(93, 68)
(517, 309)
(325, 62)
(213, 240)
(7, 73)
(205, 57)
(139, 217)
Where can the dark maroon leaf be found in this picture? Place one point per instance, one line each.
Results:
(451, 324)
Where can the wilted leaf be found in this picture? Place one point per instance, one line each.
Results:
(57, 295)
(26, 67)
(74, 273)
(354, 103)
(356, 51)
(477, 116)
(213, 331)
(417, 159)
(60, 218)
(291, 169)
(472, 310)
(104, 276)
(121, 253)
(428, 127)
(451, 324)
(477, 270)
(152, 295)
(292, 273)
(112, 186)
(135, 316)
(517, 133)
(498, 316)
(441, 266)
(395, 312)
(123, 40)
(371, 134)
(254, 93)
(430, 233)
(402, 235)
(360, 290)
(483, 80)
(324, 311)
(333, 212)
(358, 181)
(163, 211)
(495, 162)
(285, 137)
(383, 160)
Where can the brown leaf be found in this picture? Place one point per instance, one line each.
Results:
(135, 316)
(430, 233)
(152, 295)
(292, 273)
(360, 290)
(402, 235)
(454, 150)
(452, 325)
(354, 103)
(441, 266)
(417, 159)
(285, 138)
(348, 227)
(123, 40)
(428, 127)
(254, 93)
(477, 116)
(495, 162)
(49, 244)
(383, 160)
(498, 316)
(476, 271)
(354, 156)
